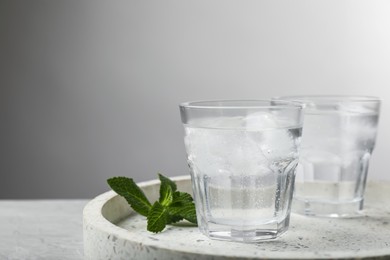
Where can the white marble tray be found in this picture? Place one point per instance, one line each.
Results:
(113, 231)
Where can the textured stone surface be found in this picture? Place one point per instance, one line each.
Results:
(112, 231)
(41, 229)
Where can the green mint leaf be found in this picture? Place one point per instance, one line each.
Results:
(166, 181)
(173, 219)
(180, 198)
(157, 218)
(167, 188)
(186, 211)
(127, 188)
(166, 195)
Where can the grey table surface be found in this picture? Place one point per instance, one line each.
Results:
(41, 229)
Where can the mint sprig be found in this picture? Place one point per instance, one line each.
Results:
(172, 206)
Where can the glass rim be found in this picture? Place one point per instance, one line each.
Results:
(229, 104)
(330, 98)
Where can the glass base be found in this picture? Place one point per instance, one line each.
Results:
(245, 234)
(345, 209)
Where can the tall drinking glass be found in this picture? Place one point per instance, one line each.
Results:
(242, 157)
(337, 142)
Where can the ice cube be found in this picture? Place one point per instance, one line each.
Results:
(355, 108)
(326, 165)
(305, 171)
(274, 141)
(260, 120)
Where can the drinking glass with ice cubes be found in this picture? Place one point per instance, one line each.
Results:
(337, 142)
(242, 157)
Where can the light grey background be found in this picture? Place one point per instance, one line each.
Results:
(89, 89)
